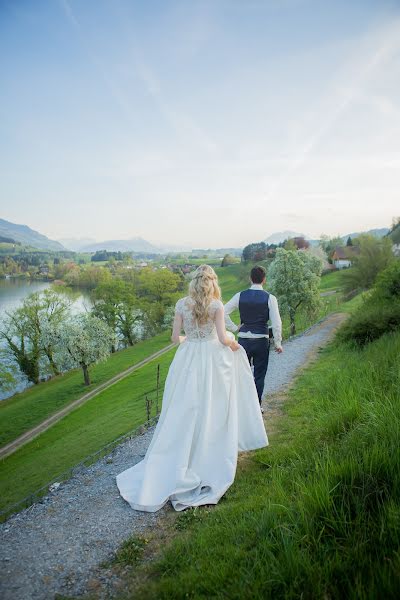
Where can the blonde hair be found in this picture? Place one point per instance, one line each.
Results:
(202, 290)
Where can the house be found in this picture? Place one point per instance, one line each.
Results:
(342, 257)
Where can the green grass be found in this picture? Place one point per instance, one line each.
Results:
(332, 281)
(115, 411)
(315, 515)
(24, 411)
(212, 261)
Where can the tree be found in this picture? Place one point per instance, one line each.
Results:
(24, 327)
(296, 243)
(374, 256)
(158, 290)
(22, 346)
(118, 306)
(228, 260)
(294, 278)
(328, 244)
(349, 241)
(82, 341)
(7, 378)
(255, 252)
(394, 233)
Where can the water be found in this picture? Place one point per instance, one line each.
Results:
(14, 291)
(12, 294)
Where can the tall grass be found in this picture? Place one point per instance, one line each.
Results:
(315, 515)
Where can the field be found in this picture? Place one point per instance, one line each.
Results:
(317, 514)
(114, 412)
(25, 410)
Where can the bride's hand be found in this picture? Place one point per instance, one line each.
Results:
(234, 346)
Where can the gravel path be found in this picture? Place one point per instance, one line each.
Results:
(57, 545)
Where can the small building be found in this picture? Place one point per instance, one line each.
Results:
(343, 257)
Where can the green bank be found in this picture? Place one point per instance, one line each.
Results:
(23, 411)
(112, 413)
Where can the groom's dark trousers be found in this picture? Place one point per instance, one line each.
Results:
(257, 350)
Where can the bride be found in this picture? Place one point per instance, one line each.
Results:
(210, 410)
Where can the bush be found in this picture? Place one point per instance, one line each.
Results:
(388, 282)
(380, 313)
(371, 321)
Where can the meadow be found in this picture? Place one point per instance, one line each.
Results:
(25, 410)
(114, 412)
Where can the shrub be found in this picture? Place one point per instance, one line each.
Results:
(371, 321)
(388, 282)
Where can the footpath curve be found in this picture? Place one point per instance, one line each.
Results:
(47, 423)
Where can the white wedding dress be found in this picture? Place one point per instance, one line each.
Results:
(210, 411)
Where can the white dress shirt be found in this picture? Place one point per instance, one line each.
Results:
(274, 317)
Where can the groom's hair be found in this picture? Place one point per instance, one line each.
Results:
(257, 274)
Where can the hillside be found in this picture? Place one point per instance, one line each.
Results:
(375, 232)
(135, 244)
(27, 236)
(281, 236)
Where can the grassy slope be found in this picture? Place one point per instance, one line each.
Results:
(25, 410)
(332, 281)
(315, 515)
(116, 411)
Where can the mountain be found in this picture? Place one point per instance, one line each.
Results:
(375, 232)
(281, 236)
(76, 244)
(136, 244)
(28, 236)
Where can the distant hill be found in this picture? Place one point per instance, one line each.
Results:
(136, 244)
(28, 236)
(8, 240)
(76, 244)
(281, 236)
(375, 232)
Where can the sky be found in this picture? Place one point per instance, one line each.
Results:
(206, 123)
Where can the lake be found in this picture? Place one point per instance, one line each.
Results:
(14, 291)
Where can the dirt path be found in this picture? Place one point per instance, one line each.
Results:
(47, 423)
(58, 545)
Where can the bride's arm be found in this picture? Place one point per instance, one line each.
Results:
(177, 328)
(221, 330)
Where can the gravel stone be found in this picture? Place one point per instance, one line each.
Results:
(57, 545)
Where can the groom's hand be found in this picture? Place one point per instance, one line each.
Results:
(279, 349)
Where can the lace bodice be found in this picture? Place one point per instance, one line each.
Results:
(194, 331)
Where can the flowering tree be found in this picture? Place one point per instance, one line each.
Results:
(81, 341)
(294, 278)
(22, 332)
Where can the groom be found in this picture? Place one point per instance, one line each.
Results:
(256, 308)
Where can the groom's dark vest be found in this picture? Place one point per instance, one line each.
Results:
(254, 311)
